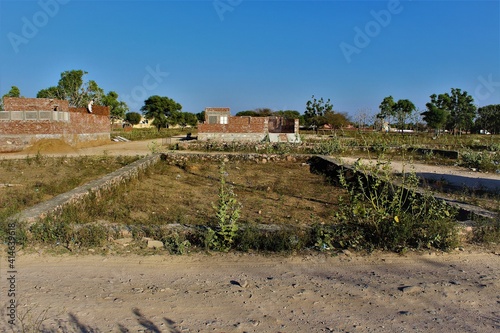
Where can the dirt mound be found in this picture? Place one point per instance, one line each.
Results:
(50, 146)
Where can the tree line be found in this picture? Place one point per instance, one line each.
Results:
(454, 111)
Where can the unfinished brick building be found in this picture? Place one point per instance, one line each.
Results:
(28, 120)
(219, 125)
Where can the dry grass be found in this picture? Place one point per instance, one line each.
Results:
(278, 193)
(27, 182)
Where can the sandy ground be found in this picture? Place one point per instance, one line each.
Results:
(430, 292)
(457, 292)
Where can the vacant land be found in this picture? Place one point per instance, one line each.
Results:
(33, 179)
(426, 292)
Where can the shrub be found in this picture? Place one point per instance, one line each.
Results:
(227, 214)
(383, 215)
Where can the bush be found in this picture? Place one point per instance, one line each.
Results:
(379, 214)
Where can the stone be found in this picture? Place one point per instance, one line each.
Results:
(154, 244)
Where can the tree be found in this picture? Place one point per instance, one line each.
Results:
(437, 112)
(462, 110)
(133, 118)
(401, 110)
(489, 118)
(117, 109)
(287, 114)
(13, 92)
(201, 116)
(160, 109)
(386, 109)
(315, 111)
(72, 88)
(247, 113)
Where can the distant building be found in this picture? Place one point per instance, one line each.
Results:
(219, 125)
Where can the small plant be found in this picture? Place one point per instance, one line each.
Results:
(176, 244)
(154, 147)
(329, 147)
(227, 214)
(484, 161)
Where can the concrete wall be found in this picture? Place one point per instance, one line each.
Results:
(28, 120)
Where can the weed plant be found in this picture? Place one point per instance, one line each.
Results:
(377, 213)
(228, 211)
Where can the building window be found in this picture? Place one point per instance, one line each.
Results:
(212, 119)
(223, 120)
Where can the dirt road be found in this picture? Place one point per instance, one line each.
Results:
(458, 292)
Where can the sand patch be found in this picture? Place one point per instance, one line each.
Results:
(50, 146)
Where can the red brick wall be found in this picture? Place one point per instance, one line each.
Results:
(82, 129)
(237, 125)
(34, 104)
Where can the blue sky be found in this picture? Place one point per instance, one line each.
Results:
(250, 54)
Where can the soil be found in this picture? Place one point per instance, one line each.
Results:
(382, 292)
(427, 292)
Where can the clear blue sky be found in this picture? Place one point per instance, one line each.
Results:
(250, 54)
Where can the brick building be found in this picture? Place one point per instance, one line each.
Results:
(221, 126)
(28, 120)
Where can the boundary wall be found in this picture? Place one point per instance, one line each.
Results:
(28, 120)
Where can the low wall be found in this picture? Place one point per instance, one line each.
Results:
(56, 204)
(231, 136)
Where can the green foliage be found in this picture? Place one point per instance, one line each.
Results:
(401, 110)
(13, 92)
(72, 88)
(154, 147)
(329, 147)
(483, 160)
(281, 240)
(437, 112)
(117, 109)
(394, 217)
(176, 243)
(489, 118)
(133, 118)
(161, 109)
(316, 111)
(227, 214)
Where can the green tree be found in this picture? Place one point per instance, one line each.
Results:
(315, 111)
(386, 109)
(72, 88)
(117, 109)
(462, 110)
(201, 116)
(247, 113)
(437, 112)
(403, 110)
(13, 92)
(287, 114)
(160, 109)
(489, 118)
(133, 118)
